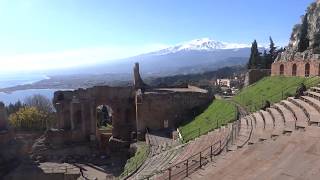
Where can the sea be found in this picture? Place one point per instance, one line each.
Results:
(21, 79)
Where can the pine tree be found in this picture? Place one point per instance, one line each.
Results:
(272, 54)
(254, 59)
(303, 38)
(265, 59)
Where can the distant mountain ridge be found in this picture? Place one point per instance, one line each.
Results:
(196, 56)
(204, 44)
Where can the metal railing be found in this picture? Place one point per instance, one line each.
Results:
(200, 131)
(195, 161)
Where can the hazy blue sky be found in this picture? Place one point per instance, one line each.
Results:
(38, 34)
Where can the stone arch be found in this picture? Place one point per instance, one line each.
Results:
(307, 70)
(281, 69)
(294, 69)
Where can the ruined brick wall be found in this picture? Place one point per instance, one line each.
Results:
(254, 75)
(3, 117)
(154, 108)
(77, 111)
(289, 70)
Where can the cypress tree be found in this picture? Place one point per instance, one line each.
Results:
(254, 59)
(303, 38)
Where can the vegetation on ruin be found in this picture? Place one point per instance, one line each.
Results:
(28, 118)
(137, 160)
(273, 89)
(35, 113)
(219, 113)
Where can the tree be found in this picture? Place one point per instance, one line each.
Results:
(28, 118)
(40, 102)
(265, 59)
(44, 105)
(254, 59)
(12, 108)
(303, 38)
(272, 49)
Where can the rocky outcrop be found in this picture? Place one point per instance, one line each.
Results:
(304, 42)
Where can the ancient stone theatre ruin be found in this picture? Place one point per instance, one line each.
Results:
(134, 109)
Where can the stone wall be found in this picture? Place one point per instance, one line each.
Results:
(254, 75)
(296, 68)
(3, 117)
(133, 109)
(158, 110)
(77, 110)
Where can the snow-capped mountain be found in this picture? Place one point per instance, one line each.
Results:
(195, 56)
(204, 44)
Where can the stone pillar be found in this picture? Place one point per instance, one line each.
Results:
(59, 109)
(83, 114)
(3, 117)
(71, 116)
(72, 109)
(93, 124)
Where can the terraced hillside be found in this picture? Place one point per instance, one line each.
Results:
(273, 89)
(284, 144)
(219, 113)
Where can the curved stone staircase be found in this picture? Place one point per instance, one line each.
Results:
(283, 144)
(281, 119)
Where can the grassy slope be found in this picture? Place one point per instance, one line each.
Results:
(218, 113)
(273, 88)
(135, 161)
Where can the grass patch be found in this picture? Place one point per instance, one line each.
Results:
(108, 127)
(135, 161)
(273, 89)
(220, 112)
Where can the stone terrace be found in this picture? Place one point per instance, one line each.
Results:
(281, 142)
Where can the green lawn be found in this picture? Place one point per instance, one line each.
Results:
(273, 88)
(135, 161)
(218, 113)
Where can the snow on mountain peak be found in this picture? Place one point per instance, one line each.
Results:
(203, 44)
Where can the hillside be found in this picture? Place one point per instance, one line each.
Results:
(273, 89)
(217, 114)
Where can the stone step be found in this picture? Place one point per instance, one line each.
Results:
(316, 89)
(269, 123)
(258, 128)
(312, 101)
(301, 118)
(310, 111)
(313, 94)
(288, 117)
(279, 124)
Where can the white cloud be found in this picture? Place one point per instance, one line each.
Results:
(71, 58)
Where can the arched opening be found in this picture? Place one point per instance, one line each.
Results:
(281, 69)
(104, 117)
(307, 70)
(294, 70)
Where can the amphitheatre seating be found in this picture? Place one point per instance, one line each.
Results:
(313, 94)
(269, 123)
(160, 143)
(162, 161)
(309, 110)
(316, 89)
(301, 118)
(299, 156)
(288, 117)
(279, 119)
(312, 101)
(258, 129)
(245, 131)
(279, 123)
